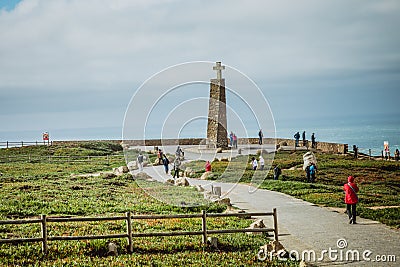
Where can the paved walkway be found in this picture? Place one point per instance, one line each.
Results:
(304, 226)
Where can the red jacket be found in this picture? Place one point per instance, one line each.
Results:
(208, 166)
(351, 196)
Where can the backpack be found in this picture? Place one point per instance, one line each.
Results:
(312, 169)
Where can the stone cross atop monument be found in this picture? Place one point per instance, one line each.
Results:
(216, 126)
(218, 67)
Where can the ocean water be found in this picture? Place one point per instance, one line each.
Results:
(368, 132)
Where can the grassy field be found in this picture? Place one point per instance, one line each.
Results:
(32, 186)
(379, 181)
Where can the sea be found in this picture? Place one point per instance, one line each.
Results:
(366, 132)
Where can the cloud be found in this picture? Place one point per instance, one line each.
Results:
(99, 48)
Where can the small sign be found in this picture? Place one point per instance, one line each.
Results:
(45, 136)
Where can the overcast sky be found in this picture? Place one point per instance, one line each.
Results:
(67, 64)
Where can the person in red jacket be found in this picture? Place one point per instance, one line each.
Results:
(208, 166)
(351, 198)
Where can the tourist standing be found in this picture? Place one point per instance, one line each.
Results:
(254, 163)
(179, 152)
(351, 199)
(260, 137)
(262, 162)
(208, 166)
(139, 160)
(234, 141)
(308, 174)
(397, 154)
(277, 172)
(231, 139)
(165, 163)
(297, 138)
(313, 144)
(177, 165)
(304, 138)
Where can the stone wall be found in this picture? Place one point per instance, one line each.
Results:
(321, 146)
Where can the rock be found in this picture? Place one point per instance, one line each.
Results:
(199, 188)
(132, 165)
(239, 151)
(213, 242)
(275, 247)
(112, 249)
(224, 201)
(259, 224)
(109, 175)
(120, 170)
(170, 181)
(188, 172)
(181, 181)
(205, 175)
(156, 161)
(219, 150)
(142, 176)
(309, 158)
(262, 152)
(224, 160)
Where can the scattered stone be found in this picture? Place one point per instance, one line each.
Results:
(170, 181)
(259, 224)
(132, 165)
(262, 152)
(120, 170)
(181, 181)
(199, 188)
(108, 175)
(219, 150)
(188, 172)
(275, 247)
(224, 160)
(224, 201)
(156, 161)
(112, 249)
(239, 151)
(206, 175)
(216, 190)
(213, 242)
(142, 176)
(282, 143)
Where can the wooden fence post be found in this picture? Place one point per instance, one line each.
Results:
(275, 224)
(204, 226)
(129, 230)
(44, 235)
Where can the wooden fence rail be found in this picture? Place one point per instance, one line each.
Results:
(129, 235)
(56, 159)
(8, 144)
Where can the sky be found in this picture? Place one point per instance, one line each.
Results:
(68, 64)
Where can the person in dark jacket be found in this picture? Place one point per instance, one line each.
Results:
(165, 163)
(277, 172)
(351, 199)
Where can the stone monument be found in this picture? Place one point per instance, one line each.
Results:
(217, 136)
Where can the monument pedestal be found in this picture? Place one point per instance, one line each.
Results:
(217, 136)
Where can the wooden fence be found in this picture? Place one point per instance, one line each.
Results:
(57, 159)
(129, 234)
(8, 144)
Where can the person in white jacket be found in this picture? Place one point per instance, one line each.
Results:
(254, 163)
(262, 163)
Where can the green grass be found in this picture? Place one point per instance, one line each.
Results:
(379, 181)
(29, 189)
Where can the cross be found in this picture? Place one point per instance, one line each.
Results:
(218, 67)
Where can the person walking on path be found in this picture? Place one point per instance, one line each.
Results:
(262, 162)
(231, 139)
(160, 157)
(165, 163)
(277, 172)
(313, 144)
(397, 154)
(260, 137)
(177, 165)
(296, 137)
(140, 159)
(304, 138)
(313, 170)
(351, 199)
(254, 163)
